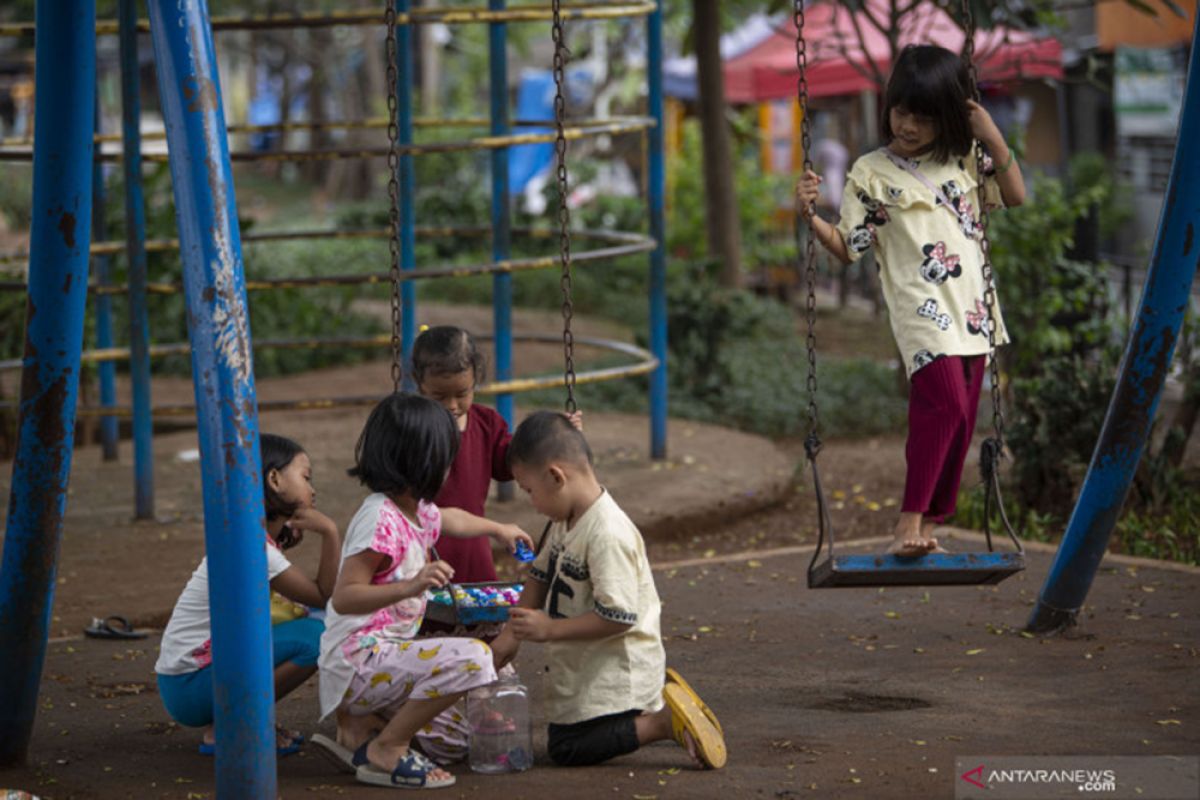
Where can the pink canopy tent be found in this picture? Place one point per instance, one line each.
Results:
(837, 64)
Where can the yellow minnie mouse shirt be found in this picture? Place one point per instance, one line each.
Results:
(929, 257)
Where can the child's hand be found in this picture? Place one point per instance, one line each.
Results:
(305, 519)
(434, 575)
(309, 519)
(504, 648)
(576, 420)
(509, 535)
(983, 127)
(807, 192)
(529, 624)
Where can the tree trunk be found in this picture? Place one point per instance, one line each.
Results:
(431, 70)
(321, 40)
(351, 178)
(721, 212)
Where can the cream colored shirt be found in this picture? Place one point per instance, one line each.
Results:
(600, 566)
(930, 259)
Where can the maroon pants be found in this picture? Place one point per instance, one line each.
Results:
(942, 406)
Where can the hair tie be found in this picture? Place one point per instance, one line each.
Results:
(1007, 164)
(423, 328)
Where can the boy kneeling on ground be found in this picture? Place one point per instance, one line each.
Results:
(590, 596)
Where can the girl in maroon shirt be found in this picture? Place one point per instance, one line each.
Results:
(447, 367)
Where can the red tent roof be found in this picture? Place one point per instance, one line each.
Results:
(837, 64)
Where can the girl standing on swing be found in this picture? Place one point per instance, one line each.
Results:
(914, 202)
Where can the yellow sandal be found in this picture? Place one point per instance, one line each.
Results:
(688, 718)
(674, 677)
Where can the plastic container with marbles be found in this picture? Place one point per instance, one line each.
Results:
(472, 603)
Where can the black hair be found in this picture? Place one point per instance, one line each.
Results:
(407, 445)
(931, 81)
(276, 452)
(547, 436)
(446, 350)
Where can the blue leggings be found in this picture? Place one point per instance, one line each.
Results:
(188, 698)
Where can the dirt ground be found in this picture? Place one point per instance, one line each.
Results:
(854, 693)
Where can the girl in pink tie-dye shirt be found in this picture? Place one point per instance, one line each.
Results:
(370, 661)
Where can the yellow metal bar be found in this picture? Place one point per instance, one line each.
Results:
(446, 16)
(645, 364)
(636, 244)
(619, 126)
(373, 123)
(167, 245)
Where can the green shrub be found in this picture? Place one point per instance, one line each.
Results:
(737, 359)
(759, 197)
(1051, 305)
(16, 196)
(1029, 525)
(1171, 533)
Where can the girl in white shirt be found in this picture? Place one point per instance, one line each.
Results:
(184, 664)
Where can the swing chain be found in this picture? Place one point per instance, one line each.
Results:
(393, 161)
(810, 255)
(564, 213)
(985, 246)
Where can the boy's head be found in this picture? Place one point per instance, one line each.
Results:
(549, 460)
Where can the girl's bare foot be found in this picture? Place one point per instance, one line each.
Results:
(908, 537)
(927, 528)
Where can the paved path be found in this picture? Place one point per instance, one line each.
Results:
(843, 693)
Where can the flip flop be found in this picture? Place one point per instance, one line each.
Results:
(411, 772)
(674, 677)
(342, 757)
(688, 720)
(114, 627)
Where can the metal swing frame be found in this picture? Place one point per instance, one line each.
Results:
(933, 569)
(561, 54)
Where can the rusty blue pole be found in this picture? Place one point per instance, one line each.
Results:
(406, 176)
(60, 237)
(226, 409)
(1140, 380)
(501, 217)
(135, 251)
(104, 333)
(658, 231)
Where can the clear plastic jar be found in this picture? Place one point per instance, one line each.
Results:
(501, 736)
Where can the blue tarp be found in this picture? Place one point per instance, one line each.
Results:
(535, 100)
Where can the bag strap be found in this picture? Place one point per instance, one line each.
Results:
(911, 168)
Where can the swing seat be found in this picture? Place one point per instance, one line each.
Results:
(934, 569)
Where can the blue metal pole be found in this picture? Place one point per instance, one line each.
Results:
(501, 217)
(1140, 381)
(60, 237)
(226, 409)
(135, 249)
(407, 181)
(658, 231)
(104, 335)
